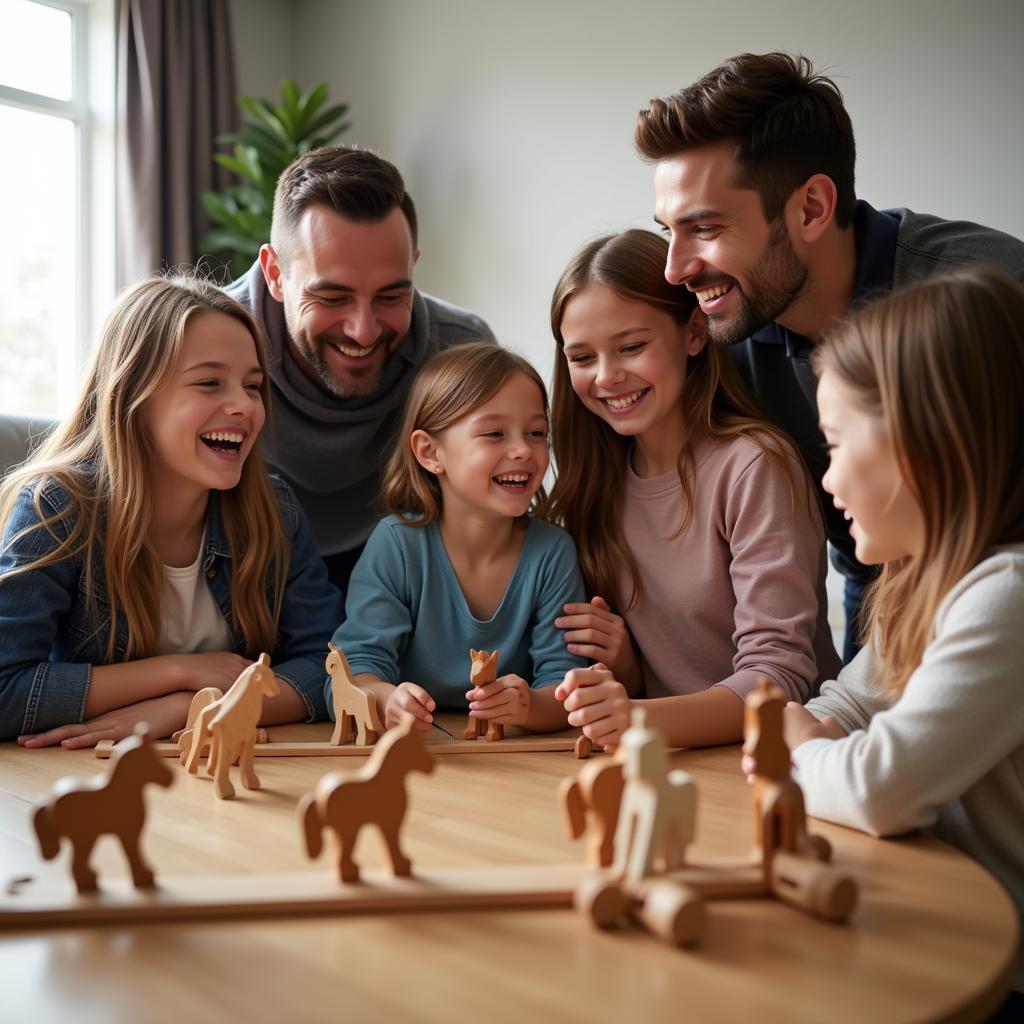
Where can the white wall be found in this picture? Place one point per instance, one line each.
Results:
(513, 122)
(264, 47)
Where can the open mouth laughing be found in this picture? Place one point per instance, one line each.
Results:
(619, 404)
(515, 482)
(224, 442)
(712, 296)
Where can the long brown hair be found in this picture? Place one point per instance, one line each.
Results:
(589, 502)
(98, 457)
(451, 385)
(940, 364)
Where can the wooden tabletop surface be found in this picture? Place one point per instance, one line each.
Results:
(931, 939)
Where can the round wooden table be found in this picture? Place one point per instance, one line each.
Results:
(932, 938)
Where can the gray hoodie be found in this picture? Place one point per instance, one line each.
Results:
(331, 449)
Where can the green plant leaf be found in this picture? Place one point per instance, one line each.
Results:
(263, 111)
(327, 117)
(310, 104)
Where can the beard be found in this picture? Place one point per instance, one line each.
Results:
(357, 382)
(775, 281)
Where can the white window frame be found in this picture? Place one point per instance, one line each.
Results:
(91, 110)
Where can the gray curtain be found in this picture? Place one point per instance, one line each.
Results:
(175, 93)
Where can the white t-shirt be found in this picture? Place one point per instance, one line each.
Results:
(191, 621)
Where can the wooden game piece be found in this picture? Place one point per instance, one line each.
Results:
(812, 885)
(81, 810)
(590, 802)
(183, 737)
(672, 911)
(356, 716)
(374, 795)
(483, 670)
(584, 747)
(658, 809)
(48, 899)
(529, 744)
(603, 900)
(228, 726)
(780, 821)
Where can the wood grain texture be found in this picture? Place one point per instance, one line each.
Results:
(931, 938)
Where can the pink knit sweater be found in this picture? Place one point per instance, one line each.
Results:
(741, 592)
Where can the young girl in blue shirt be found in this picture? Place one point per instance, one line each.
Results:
(459, 563)
(146, 553)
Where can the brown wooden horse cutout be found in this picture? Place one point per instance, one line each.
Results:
(81, 810)
(355, 708)
(483, 670)
(596, 788)
(780, 821)
(228, 726)
(374, 795)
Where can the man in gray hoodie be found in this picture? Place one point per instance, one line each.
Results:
(346, 331)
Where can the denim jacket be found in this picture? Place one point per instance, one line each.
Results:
(49, 642)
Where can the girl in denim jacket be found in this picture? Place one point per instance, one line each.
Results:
(146, 553)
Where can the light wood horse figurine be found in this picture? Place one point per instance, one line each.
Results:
(355, 708)
(780, 821)
(596, 788)
(483, 670)
(657, 817)
(375, 794)
(183, 737)
(81, 810)
(228, 726)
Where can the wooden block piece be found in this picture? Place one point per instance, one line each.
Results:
(49, 900)
(603, 900)
(817, 888)
(673, 912)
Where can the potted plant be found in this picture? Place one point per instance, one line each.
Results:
(261, 149)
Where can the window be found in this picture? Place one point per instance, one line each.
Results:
(49, 122)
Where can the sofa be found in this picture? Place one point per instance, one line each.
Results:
(18, 434)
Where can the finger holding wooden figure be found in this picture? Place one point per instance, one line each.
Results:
(228, 726)
(374, 795)
(81, 810)
(356, 716)
(483, 670)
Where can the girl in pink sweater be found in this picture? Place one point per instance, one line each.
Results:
(694, 519)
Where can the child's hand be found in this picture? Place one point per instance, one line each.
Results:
(505, 701)
(408, 698)
(597, 702)
(216, 668)
(594, 631)
(162, 714)
(799, 726)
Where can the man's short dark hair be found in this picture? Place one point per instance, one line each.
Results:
(354, 182)
(785, 124)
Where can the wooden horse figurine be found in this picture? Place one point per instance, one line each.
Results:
(483, 670)
(228, 726)
(81, 810)
(375, 794)
(355, 708)
(780, 822)
(597, 788)
(657, 817)
(183, 737)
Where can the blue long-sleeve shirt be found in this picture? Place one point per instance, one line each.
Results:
(407, 619)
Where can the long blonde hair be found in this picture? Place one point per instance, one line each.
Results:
(98, 457)
(587, 497)
(451, 385)
(940, 364)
